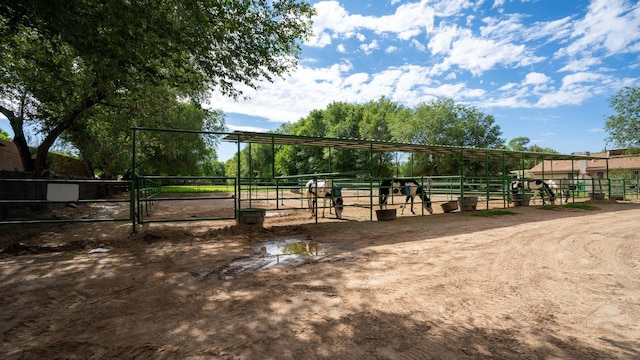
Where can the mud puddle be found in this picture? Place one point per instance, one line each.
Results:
(287, 252)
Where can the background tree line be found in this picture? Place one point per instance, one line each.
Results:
(439, 122)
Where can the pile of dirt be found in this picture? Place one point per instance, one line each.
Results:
(16, 249)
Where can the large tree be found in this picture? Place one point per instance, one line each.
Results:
(60, 59)
(443, 122)
(624, 126)
(107, 144)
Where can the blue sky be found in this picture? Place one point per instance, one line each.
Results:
(545, 69)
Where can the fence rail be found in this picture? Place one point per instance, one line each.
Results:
(174, 198)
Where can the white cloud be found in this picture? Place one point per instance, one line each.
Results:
(341, 48)
(408, 21)
(581, 64)
(478, 55)
(309, 88)
(440, 42)
(446, 8)
(505, 29)
(390, 49)
(553, 30)
(535, 78)
(573, 80)
(369, 48)
(418, 45)
(507, 86)
(611, 26)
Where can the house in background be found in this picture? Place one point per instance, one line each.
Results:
(587, 174)
(59, 164)
(588, 169)
(10, 157)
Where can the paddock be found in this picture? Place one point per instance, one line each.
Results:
(285, 193)
(547, 284)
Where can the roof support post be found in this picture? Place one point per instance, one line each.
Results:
(250, 174)
(505, 181)
(273, 158)
(486, 175)
(134, 181)
(371, 181)
(461, 180)
(238, 176)
(371, 160)
(608, 179)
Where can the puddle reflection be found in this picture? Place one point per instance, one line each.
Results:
(289, 251)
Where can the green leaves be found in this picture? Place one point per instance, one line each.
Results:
(624, 126)
(60, 59)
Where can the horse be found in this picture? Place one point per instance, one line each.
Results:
(563, 188)
(537, 187)
(325, 190)
(408, 187)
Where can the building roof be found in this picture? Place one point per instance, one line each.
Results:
(616, 162)
(597, 162)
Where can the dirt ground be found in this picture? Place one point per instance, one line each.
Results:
(540, 284)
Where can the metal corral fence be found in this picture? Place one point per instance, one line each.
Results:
(612, 188)
(31, 201)
(174, 198)
(185, 198)
(289, 192)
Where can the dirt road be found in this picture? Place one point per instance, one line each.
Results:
(539, 284)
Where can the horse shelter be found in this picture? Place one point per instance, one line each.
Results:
(277, 194)
(155, 198)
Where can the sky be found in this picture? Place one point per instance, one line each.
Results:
(544, 69)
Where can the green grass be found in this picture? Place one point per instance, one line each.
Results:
(492, 213)
(186, 189)
(579, 206)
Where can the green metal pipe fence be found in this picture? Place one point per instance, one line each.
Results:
(31, 200)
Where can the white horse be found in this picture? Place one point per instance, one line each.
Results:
(325, 190)
(538, 187)
(408, 187)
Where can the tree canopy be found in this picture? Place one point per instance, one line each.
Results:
(441, 122)
(62, 59)
(4, 135)
(624, 126)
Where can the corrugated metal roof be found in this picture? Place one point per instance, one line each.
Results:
(383, 146)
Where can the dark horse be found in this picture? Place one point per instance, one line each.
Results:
(408, 187)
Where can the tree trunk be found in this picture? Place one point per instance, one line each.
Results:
(40, 165)
(21, 142)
